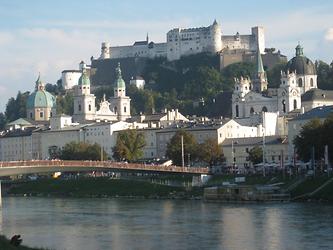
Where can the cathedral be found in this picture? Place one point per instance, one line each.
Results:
(41, 104)
(297, 90)
(116, 109)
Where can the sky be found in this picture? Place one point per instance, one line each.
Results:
(51, 36)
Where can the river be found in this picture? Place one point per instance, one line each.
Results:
(93, 224)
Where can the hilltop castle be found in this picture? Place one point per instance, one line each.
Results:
(182, 42)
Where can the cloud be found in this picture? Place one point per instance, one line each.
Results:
(329, 35)
(5, 38)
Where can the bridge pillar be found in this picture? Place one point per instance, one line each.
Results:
(0, 196)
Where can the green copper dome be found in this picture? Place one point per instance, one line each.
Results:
(84, 78)
(40, 98)
(301, 64)
(119, 83)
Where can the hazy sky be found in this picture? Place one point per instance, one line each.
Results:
(50, 36)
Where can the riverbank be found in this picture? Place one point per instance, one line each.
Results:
(101, 187)
(5, 245)
(115, 188)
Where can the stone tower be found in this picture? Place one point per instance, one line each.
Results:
(84, 101)
(120, 103)
(105, 51)
(216, 37)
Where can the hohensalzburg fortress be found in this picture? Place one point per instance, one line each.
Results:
(182, 42)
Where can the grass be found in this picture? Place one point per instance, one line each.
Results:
(311, 184)
(5, 245)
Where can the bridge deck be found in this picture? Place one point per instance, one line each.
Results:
(35, 166)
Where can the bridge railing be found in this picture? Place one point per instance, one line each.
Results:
(104, 164)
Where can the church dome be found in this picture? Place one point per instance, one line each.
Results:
(301, 64)
(40, 98)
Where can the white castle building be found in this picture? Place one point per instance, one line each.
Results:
(116, 109)
(181, 42)
(299, 80)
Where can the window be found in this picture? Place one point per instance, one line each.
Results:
(264, 109)
(31, 115)
(284, 106)
(79, 107)
(300, 82)
(237, 111)
(311, 82)
(41, 114)
(89, 107)
(124, 109)
(295, 104)
(251, 111)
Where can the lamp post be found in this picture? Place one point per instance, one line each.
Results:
(182, 146)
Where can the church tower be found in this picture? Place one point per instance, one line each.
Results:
(120, 103)
(242, 88)
(84, 101)
(289, 93)
(260, 79)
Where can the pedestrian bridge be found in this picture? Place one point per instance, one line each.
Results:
(9, 168)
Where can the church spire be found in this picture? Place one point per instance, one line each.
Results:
(39, 84)
(260, 66)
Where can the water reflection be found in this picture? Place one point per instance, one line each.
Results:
(166, 224)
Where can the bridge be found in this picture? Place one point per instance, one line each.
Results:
(9, 168)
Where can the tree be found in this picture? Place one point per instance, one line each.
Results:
(210, 152)
(2, 121)
(310, 136)
(65, 104)
(129, 145)
(174, 149)
(274, 75)
(16, 108)
(81, 151)
(255, 155)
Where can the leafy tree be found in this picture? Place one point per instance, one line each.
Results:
(16, 108)
(255, 155)
(274, 75)
(210, 152)
(65, 104)
(310, 136)
(129, 145)
(82, 151)
(325, 75)
(174, 149)
(2, 121)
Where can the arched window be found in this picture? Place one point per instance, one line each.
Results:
(311, 82)
(300, 82)
(124, 109)
(89, 107)
(284, 106)
(251, 111)
(115, 109)
(79, 107)
(264, 109)
(237, 111)
(295, 104)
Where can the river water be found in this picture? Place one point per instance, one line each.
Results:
(89, 224)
